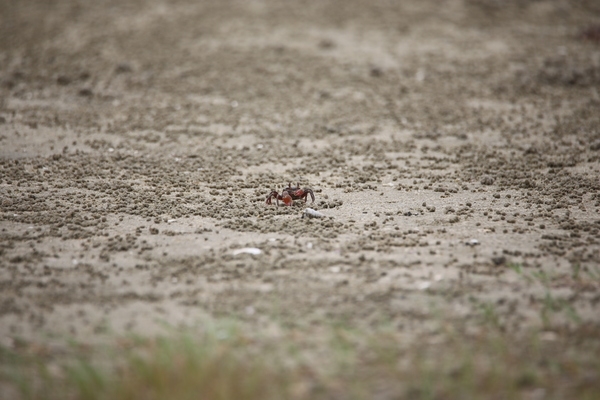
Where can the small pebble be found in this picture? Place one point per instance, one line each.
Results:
(310, 213)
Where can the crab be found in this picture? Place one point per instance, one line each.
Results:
(290, 194)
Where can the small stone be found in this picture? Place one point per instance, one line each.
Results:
(247, 250)
(310, 213)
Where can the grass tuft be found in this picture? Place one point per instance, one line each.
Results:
(225, 362)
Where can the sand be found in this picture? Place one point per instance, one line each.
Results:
(453, 148)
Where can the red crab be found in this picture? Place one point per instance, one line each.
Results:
(290, 194)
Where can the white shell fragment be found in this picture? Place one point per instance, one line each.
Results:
(472, 242)
(247, 250)
(310, 213)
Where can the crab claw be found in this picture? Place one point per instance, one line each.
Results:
(287, 199)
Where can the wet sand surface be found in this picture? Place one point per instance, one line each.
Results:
(453, 148)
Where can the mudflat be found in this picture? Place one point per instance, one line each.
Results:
(453, 149)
